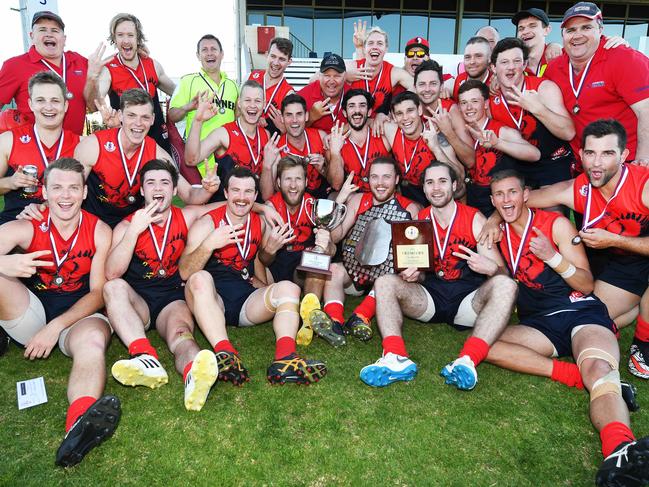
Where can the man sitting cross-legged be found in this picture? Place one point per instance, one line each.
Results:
(467, 289)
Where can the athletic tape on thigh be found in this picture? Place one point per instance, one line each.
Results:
(183, 337)
(609, 384)
(596, 353)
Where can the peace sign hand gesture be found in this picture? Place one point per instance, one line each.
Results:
(477, 263)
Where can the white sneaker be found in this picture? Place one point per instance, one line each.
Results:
(388, 369)
(143, 370)
(460, 373)
(200, 379)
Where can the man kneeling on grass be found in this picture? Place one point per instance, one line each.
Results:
(52, 294)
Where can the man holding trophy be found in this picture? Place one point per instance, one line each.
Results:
(467, 287)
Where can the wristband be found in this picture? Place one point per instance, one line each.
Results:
(568, 273)
(555, 260)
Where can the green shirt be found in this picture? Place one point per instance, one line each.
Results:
(225, 95)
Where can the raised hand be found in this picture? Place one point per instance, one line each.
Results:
(211, 181)
(337, 138)
(430, 133)
(206, 108)
(109, 115)
(271, 150)
(97, 61)
(347, 189)
(360, 32)
(477, 263)
(321, 108)
(529, 100)
(225, 235)
(21, 180)
(143, 217)
(33, 211)
(276, 116)
(540, 245)
(24, 265)
(443, 121)
(486, 138)
(278, 237)
(318, 161)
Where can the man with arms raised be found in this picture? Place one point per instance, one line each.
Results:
(466, 289)
(58, 298)
(36, 144)
(218, 265)
(560, 316)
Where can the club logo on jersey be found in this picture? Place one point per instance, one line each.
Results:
(255, 76)
(597, 84)
(43, 227)
(583, 190)
(25, 139)
(235, 133)
(113, 65)
(109, 146)
(497, 100)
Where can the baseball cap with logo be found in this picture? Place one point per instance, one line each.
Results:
(417, 42)
(531, 12)
(46, 14)
(582, 9)
(333, 61)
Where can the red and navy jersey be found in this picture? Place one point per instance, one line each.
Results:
(122, 78)
(300, 220)
(412, 156)
(625, 214)
(367, 202)
(144, 266)
(25, 151)
(352, 158)
(313, 145)
(455, 268)
(462, 77)
(552, 148)
(108, 188)
(228, 259)
(75, 269)
(380, 87)
(540, 289)
(273, 94)
(238, 149)
(486, 159)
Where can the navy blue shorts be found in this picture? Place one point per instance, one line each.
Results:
(283, 267)
(628, 272)
(233, 291)
(479, 197)
(544, 173)
(558, 325)
(158, 298)
(447, 296)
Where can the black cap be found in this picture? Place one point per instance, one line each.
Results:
(46, 14)
(531, 12)
(333, 61)
(582, 9)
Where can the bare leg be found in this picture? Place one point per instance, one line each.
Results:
(175, 325)
(394, 299)
(126, 310)
(523, 349)
(617, 300)
(207, 306)
(494, 302)
(14, 298)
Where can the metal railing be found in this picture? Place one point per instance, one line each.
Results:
(300, 49)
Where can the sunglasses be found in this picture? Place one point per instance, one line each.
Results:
(417, 54)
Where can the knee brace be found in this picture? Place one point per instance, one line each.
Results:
(596, 353)
(183, 337)
(281, 304)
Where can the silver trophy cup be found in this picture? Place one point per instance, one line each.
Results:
(327, 215)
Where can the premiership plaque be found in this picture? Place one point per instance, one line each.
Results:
(412, 245)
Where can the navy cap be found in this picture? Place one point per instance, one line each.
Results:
(531, 12)
(333, 61)
(582, 9)
(46, 14)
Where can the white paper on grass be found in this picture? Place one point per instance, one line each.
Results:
(31, 392)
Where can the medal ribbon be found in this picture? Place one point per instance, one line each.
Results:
(299, 214)
(160, 250)
(363, 160)
(518, 122)
(484, 126)
(60, 261)
(441, 249)
(42, 151)
(571, 75)
(243, 251)
(308, 146)
(130, 178)
(219, 99)
(272, 96)
(145, 85)
(255, 160)
(528, 226)
(587, 221)
(378, 81)
(412, 156)
(63, 69)
(337, 107)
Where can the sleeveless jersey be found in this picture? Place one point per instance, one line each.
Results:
(540, 70)
(108, 187)
(380, 87)
(448, 267)
(25, 151)
(412, 156)
(273, 94)
(552, 148)
(462, 77)
(354, 158)
(228, 260)
(486, 159)
(239, 150)
(313, 145)
(145, 264)
(75, 269)
(625, 214)
(300, 221)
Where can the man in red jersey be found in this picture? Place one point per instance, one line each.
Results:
(297, 140)
(52, 294)
(36, 144)
(477, 53)
(532, 27)
(467, 289)
(275, 86)
(598, 83)
(324, 96)
(354, 151)
(560, 316)
(46, 54)
(128, 69)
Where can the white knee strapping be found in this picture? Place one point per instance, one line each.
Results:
(609, 384)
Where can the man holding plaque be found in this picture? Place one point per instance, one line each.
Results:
(559, 316)
(466, 288)
(52, 293)
(218, 265)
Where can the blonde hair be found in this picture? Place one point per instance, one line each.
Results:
(376, 30)
(118, 19)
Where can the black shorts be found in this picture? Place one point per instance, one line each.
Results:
(628, 272)
(480, 197)
(447, 296)
(544, 173)
(558, 325)
(414, 193)
(158, 298)
(233, 291)
(283, 267)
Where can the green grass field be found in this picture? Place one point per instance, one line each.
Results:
(511, 430)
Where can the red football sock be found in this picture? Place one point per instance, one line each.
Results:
(567, 373)
(367, 308)
(642, 330)
(476, 348)
(284, 347)
(335, 310)
(225, 346)
(186, 370)
(76, 409)
(394, 344)
(140, 346)
(613, 435)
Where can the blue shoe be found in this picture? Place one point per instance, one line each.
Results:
(460, 373)
(388, 369)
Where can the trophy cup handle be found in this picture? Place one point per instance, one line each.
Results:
(341, 211)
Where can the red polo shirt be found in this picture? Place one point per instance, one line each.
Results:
(617, 78)
(312, 93)
(15, 74)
